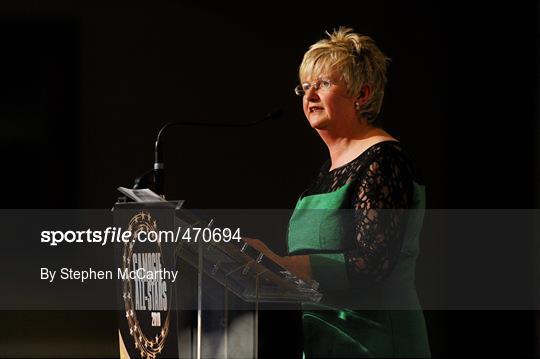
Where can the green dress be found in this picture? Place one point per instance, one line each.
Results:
(370, 316)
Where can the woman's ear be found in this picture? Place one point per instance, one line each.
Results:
(363, 96)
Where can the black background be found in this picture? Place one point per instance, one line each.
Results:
(85, 88)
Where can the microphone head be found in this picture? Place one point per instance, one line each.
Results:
(277, 113)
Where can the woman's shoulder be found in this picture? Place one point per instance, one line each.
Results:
(384, 151)
(383, 158)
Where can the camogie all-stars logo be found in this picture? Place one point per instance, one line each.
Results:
(146, 301)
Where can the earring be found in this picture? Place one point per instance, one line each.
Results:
(356, 106)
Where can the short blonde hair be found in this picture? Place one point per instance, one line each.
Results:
(357, 59)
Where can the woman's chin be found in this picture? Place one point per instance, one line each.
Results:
(318, 123)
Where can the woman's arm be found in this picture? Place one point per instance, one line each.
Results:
(300, 266)
(381, 198)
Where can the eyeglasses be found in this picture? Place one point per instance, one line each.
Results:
(302, 89)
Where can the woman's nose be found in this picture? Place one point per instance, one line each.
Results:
(312, 95)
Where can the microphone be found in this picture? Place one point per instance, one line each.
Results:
(158, 172)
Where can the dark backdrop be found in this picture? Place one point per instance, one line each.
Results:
(85, 88)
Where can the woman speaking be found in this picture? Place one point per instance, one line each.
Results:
(355, 228)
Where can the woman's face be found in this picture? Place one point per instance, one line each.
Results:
(329, 108)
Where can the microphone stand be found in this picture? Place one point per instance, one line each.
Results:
(157, 174)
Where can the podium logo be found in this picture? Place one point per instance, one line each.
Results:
(145, 293)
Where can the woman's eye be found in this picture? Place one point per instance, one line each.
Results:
(306, 87)
(326, 83)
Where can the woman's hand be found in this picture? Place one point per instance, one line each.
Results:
(263, 248)
(300, 266)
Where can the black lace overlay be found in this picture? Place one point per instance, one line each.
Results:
(383, 189)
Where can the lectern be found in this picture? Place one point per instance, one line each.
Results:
(210, 309)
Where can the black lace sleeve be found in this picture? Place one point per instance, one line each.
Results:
(383, 190)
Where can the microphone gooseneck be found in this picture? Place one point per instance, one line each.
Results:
(159, 165)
